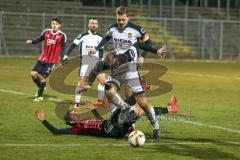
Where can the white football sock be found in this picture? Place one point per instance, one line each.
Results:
(100, 92)
(77, 98)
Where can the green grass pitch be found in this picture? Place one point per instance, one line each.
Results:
(210, 89)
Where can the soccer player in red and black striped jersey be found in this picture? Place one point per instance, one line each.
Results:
(54, 43)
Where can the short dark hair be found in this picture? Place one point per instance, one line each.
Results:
(56, 19)
(93, 18)
(67, 118)
(121, 10)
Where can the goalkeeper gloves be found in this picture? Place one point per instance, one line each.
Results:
(65, 59)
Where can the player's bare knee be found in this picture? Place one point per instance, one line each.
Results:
(79, 90)
(142, 101)
(101, 78)
(109, 90)
(34, 74)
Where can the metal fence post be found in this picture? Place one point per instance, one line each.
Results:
(149, 7)
(227, 9)
(1, 31)
(199, 34)
(185, 22)
(85, 23)
(221, 40)
(173, 14)
(141, 4)
(202, 39)
(160, 8)
(43, 20)
(219, 6)
(2, 36)
(43, 25)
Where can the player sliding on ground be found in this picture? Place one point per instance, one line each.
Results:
(86, 41)
(117, 126)
(54, 43)
(123, 70)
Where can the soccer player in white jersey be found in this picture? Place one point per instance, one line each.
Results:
(124, 34)
(87, 41)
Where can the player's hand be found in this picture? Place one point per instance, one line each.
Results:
(92, 51)
(89, 105)
(140, 61)
(161, 51)
(65, 59)
(40, 115)
(29, 42)
(86, 87)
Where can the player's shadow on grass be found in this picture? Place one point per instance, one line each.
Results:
(183, 147)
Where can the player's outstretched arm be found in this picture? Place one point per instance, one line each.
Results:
(41, 117)
(100, 45)
(36, 40)
(158, 52)
(91, 107)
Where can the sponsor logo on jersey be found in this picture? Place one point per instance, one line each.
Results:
(122, 40)
(90, 46)
(129, 35)
(57, 37)
(51, 41)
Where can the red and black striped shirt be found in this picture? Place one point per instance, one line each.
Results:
(53, 45)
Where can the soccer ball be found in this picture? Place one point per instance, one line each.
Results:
(136, 138)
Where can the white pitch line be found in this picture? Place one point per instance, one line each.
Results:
(26, 94)
(103, 145)
(114, 144)
(183, 121)
(210, 126)
(203, 75)
(15, 92)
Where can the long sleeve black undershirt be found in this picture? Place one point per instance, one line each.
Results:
(103, 42)
(54, 130)
(38, 39)
(70, 49)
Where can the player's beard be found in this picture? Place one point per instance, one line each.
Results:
(93, 29)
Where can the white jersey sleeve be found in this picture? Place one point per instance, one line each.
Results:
(78, 39)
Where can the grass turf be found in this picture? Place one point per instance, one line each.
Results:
(210, 89)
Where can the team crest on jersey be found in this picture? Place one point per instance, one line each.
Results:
(142, 30)
(129, 35)
(57, 37)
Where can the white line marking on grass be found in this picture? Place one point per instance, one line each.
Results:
(183, 121)
(26, 94)
(204, 75)
(114, 144)
(210, 126)
(15, 92)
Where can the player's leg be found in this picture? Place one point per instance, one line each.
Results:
(44, 70)
(42, 82)
(111, 88)
(138, 90)
(101, 79)
(78, 91)
(171, 107)
(34, 73)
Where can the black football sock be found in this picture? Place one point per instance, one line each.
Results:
(41, 89)
(37, 81)
(131, 100)
(160, 110)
